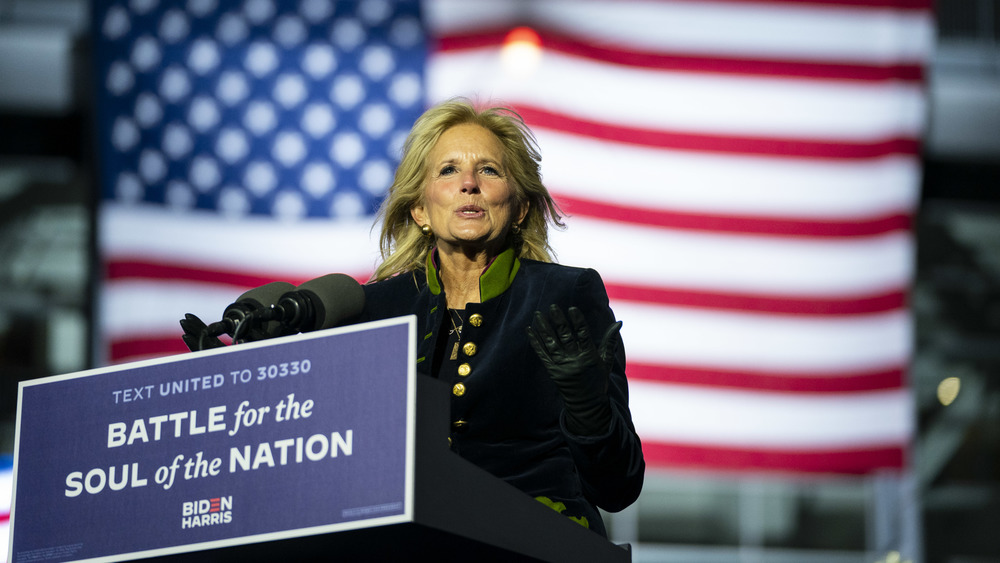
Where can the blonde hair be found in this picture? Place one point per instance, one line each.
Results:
(403, 246)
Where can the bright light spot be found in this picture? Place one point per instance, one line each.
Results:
(948, 389)
(521, 52)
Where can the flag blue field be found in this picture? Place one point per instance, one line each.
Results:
(743, 174)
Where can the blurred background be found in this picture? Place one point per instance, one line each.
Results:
(793, 204)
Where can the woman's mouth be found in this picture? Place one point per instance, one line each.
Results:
(470, 211)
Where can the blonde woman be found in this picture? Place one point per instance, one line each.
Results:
(537, 398)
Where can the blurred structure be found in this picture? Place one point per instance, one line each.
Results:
(956, 300)
(48, 187)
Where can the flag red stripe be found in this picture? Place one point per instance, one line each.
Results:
(727, 144)
(126, 268)
(744, 302)
(123, 267)
(630, 56)
(855, 461)
(855, 305)
(764, 381)
(770, 226)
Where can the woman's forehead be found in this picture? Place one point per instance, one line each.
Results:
(467, 139)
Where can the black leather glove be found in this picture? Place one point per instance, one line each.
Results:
(196, 334)
(579, 370)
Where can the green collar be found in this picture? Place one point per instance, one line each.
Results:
(494, 280)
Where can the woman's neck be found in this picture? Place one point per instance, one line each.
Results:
(460, 273)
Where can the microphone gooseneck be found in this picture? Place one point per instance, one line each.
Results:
(321, 303)
(278, 309)
(242, 312)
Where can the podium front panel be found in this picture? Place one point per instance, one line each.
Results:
(295, 436)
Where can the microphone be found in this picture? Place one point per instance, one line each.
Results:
(321, 303)
(247, 305)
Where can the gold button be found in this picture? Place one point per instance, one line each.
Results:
(458, 390)
(469, 348)
(464, 370)
(458, 424)
(476, 319)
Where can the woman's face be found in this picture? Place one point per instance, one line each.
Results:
(468, 198)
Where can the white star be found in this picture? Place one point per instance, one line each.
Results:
(347, 149)
(204, 173)
(116, 23)
(289, 148)
(318, 119)
(317, 179)
(174, 26)
(260, 178)
(204, 56)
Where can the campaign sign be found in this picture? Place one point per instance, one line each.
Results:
(294, 436)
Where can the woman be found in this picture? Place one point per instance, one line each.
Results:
(535, 400)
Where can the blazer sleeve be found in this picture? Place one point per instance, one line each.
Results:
(611, 465)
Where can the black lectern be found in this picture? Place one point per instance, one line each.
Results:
(322, 446)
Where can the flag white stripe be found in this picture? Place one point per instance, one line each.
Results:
(127, 310)
(656, 334)
(626, 253)
(723, 418)
(754, 30)
(675, 101)
(727, 184)
(306, 248)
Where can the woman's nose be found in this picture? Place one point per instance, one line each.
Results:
(470, 185)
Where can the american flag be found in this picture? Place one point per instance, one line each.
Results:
(743, 174)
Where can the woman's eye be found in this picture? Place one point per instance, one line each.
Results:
(491, 171)
(447, 169)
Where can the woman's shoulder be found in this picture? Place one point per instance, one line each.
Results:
(562, 284)
(560, 278)
(550, 269)
(390, 296)
(406, 281)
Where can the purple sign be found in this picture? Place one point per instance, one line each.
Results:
(295, 436)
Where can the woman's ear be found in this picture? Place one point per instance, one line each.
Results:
(523, 213)
(419, 215)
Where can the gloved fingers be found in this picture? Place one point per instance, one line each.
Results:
(536, 344)
(609, 343)
(560, 324)
(580, 328)
(545, 336)
(562, 327)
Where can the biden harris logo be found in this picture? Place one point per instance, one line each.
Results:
(206, 512)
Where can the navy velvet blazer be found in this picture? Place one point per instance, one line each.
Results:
(506, 413)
